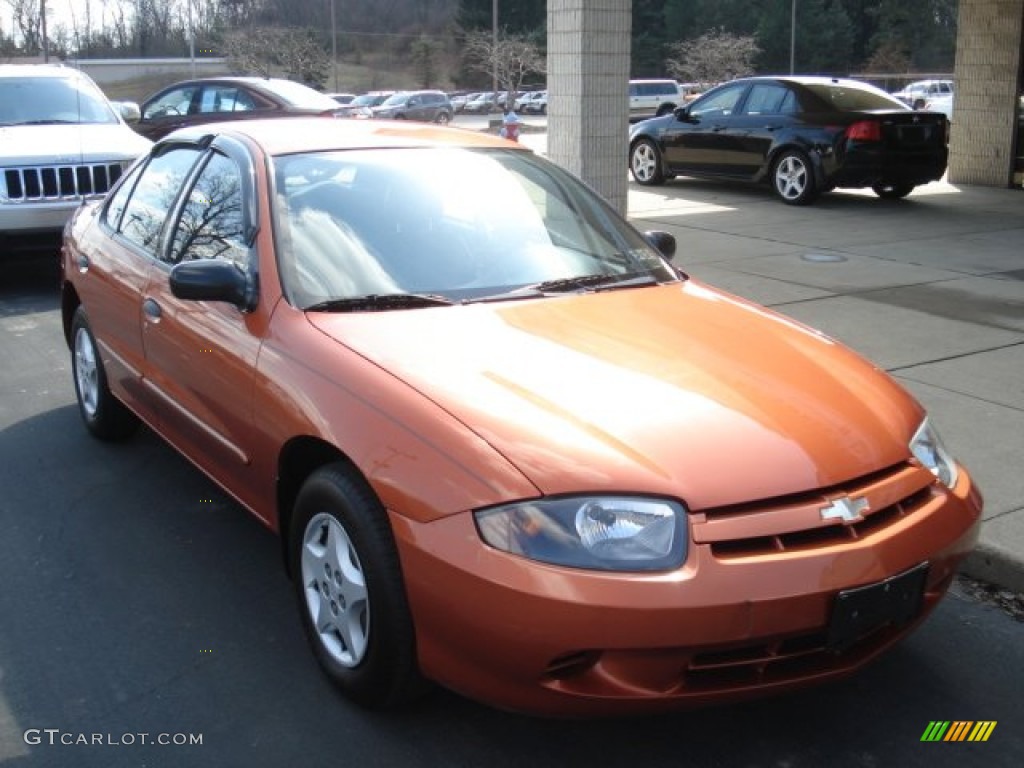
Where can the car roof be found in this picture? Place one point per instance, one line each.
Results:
(282, 136)
(40, 70)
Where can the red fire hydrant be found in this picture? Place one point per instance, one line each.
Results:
(510, 127)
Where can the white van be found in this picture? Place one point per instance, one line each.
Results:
(653, 98)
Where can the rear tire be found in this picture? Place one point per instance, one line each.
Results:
(892, 191)
(793, 178)
(443, 118)
(104, 415)
(348, 582)
(645, 163)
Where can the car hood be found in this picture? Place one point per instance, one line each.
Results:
(677, 389)
(56, 144)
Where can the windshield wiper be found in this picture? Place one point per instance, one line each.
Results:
(602, 282)
(376, 302)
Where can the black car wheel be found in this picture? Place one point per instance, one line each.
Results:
(793, 178)
(349, 586)
(443, 118)
(104, 415)
(645, 163)
(892, 191)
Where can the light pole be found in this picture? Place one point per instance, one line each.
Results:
(191, 41)
(334, 47)
(46, 44)
(792, 38)
(494, 46)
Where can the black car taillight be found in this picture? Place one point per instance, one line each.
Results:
(865, 130)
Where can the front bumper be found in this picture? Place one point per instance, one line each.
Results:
(36, 216)
(726, 626)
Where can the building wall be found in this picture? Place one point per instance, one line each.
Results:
(988, 66)
(588, 92)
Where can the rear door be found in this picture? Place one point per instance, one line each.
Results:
(768, 111)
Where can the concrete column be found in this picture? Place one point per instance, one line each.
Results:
(588, 92)
(988, 64)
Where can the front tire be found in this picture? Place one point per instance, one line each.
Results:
(104, 415)
(349, 586)
(793, 178)
(443, 118)
(892, 191)
(645, 163)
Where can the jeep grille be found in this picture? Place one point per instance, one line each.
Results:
(60, 182)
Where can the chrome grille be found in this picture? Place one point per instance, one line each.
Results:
(60, 182)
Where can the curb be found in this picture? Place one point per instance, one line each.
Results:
(996, 566)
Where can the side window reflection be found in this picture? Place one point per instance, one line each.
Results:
(154, 195)
(211, 224)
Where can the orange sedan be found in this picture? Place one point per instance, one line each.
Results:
(507, 445)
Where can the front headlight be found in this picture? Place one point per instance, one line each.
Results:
(604, 533)
(927, 447)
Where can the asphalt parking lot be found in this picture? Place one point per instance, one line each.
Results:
(138, 599)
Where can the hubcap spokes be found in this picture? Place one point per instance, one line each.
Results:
(791, 178)
(335, 590)
(86, 373)
(644, 162)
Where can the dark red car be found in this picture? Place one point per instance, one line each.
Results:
(213, 100)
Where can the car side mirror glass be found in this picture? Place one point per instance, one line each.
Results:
(211, 280)
(682, 114)
(663, 242)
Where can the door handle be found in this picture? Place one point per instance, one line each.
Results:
(83, 263)
(152, 310)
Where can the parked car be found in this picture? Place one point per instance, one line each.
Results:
(216, 99)
(919, 93)
(507, 445)
(426, 106)
(362, 106)
(942, 103)
(802, 135)
(62, 143)
(342, 98)
(484, 104)
(653, 98)
(524, 102)
(537, 105)
(458, 100)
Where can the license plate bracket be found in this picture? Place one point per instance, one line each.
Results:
(859, 611)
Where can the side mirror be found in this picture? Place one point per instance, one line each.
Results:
(682, 114)
(129, 111)
(211, 280)
(664, 242)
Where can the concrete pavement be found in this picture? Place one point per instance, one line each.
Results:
(930, 288)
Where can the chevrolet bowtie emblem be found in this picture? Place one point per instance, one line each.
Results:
(846, 510)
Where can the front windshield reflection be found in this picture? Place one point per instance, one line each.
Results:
(459, 223)
(51, 101)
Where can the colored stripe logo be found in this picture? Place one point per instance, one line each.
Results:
(959, 730)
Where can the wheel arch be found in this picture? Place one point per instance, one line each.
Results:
(69, 302)
(812, 152)
(299, 458)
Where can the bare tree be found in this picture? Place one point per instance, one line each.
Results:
(512, 59)
(714, 57)
(265, 51)
(28, 20)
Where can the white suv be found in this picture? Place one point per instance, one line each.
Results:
(653, 98)
(61, 142)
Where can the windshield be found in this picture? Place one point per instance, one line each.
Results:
(460, 224)
(395, 99)
(52, 100)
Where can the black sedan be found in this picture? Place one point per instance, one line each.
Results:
(216, 99)
(803, 135)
